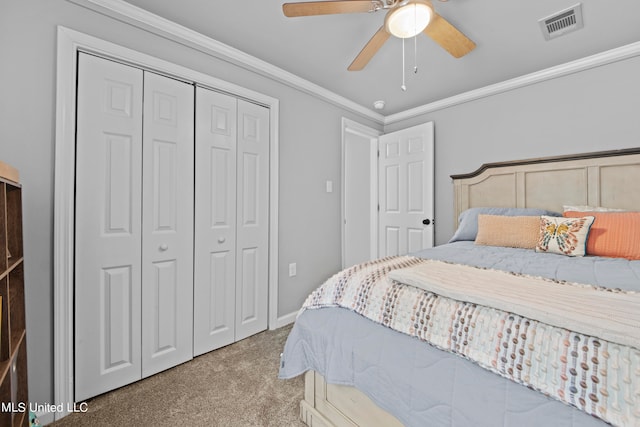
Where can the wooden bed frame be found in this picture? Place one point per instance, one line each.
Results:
(606, 178)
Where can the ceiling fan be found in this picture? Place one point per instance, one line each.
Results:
(405, 18)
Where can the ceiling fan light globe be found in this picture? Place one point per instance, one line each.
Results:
(408, 20)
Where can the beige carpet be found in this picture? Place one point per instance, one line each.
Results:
(234, 386)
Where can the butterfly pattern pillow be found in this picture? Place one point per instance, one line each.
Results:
(565, 236)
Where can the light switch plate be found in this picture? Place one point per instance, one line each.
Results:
(292, 269)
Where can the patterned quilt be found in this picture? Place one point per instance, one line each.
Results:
(599, 377)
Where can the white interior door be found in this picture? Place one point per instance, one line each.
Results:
(359, 193)
(406, 190)
(108, 226)
(215, 221)
(135, 298)
(252, 228)
(167, 223)
(134, 225)
(231, 220)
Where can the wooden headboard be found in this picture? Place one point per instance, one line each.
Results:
(605, 178)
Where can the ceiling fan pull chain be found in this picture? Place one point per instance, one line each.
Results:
(403, 87)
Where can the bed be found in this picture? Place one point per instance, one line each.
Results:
(554, 341)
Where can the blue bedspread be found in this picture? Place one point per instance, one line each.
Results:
(606, 272)
(424, 386)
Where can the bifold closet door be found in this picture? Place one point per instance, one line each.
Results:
(134, 225)
(215, 221)
(231, 220)
(167, 223)
(252, 230)
(108, 279)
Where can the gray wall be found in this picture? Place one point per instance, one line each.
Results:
(592, 110)
(310, 132)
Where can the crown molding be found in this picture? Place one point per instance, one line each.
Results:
(599, 59)
(140, 18)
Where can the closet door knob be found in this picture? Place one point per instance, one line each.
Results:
(164, 247)
(221, 239)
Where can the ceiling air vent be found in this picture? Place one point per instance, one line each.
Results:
(562, 22)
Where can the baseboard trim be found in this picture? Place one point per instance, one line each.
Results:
(285, 320)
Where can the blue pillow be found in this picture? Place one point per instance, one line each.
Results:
(468, 220)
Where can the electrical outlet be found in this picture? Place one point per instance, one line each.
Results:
(292, 269)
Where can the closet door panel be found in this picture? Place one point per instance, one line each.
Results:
(167, 242)
(215, 221)
(253, 219)
(107, 221)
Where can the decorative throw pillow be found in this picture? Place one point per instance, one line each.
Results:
(468, 220)
(613, 234)
(509, 231)
(566, 236)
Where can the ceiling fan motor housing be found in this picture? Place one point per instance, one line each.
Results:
(408, 18)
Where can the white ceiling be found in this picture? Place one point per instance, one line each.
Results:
(320, 48)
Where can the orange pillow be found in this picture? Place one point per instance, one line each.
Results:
(509, 231)
(613, 234)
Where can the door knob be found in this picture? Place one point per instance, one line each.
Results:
(221, 239)
(164, 247)
(426, 221)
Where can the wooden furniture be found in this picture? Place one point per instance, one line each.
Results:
(326, 405)
(607, 178)
(13, 340)
(604, 178)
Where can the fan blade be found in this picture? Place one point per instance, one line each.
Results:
(448, 36)
(370, 49)
(327, 7)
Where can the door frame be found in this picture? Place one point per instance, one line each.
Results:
(355, 128)
(69, 43)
